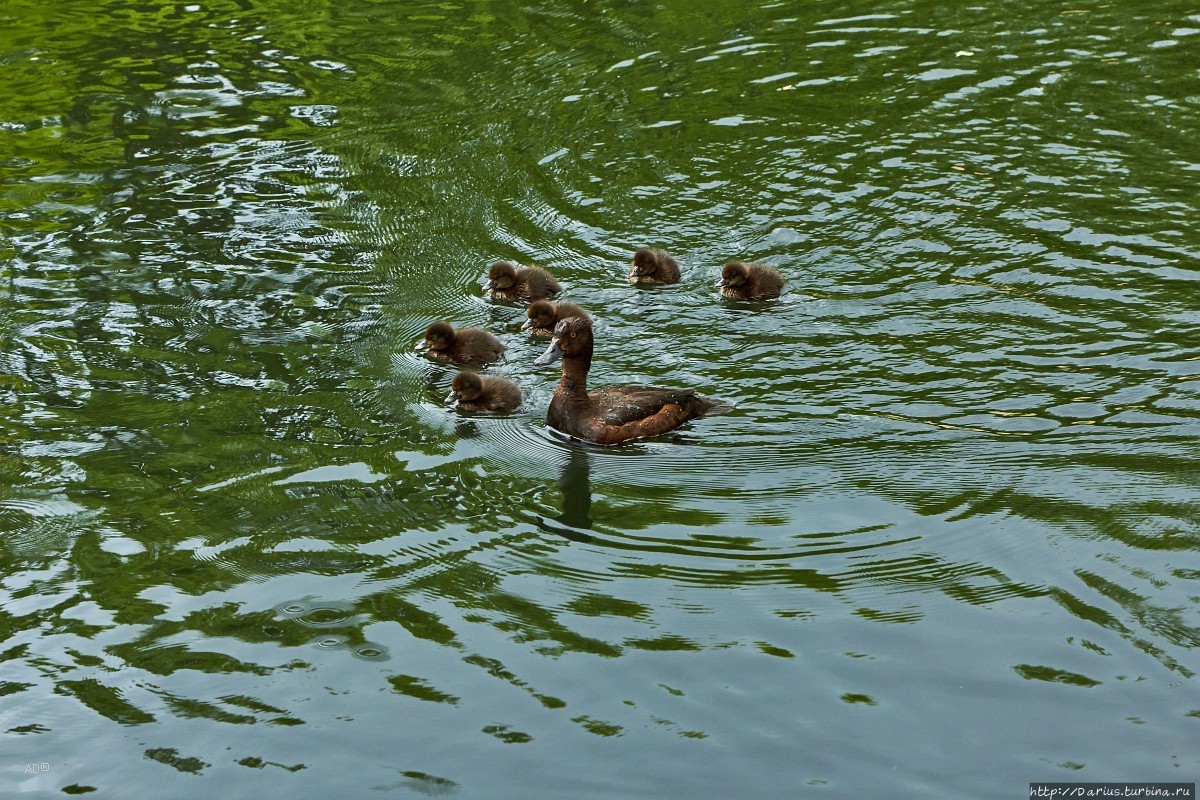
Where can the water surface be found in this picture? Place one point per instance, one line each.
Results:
(945, 545)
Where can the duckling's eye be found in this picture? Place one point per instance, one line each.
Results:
(573, 335)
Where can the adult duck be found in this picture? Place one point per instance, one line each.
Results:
(613, 414)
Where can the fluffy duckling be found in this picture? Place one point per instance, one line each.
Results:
(462, 346)
(544, 315)
(508, 282)
(473, 392)
(613, 414)
(653, 266)
(740, 281)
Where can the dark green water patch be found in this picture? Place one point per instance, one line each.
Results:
(239, 528)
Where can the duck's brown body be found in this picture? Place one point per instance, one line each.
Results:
(463, 346)
(544, 315)
(508, 282)
(651, 265)
(473, 392)
(613, 414)
(741, 281)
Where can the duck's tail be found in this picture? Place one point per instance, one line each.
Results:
(712, 406)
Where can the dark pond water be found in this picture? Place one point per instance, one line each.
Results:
(948, 542)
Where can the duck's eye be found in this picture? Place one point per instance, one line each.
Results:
(573, 335)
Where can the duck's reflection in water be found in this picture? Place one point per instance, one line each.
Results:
(575, 484)
(466, 429)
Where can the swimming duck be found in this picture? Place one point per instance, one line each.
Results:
(508, 282)
(740, 281)
(544, 315)
(653, 266)
(473, 392)
(613, 414)
(462, 346)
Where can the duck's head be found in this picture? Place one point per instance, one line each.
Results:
(502, 275)
(439, 336)
(572, 337)
(541, 315)
(645, 262)
(733, 275)
(467, 388)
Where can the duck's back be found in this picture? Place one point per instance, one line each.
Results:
(476, 346)
(498, 395)
(617, 414)
(765, 283)
(536, 283)
(620, 405)
(668, 269)
(564, 310)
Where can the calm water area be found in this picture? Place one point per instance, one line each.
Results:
(947, 542)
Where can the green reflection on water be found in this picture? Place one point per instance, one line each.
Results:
(225, 481)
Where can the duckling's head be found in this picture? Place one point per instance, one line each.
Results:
(502, 275)
(467, 388)
(645, 262)
(734, 274)
(541, 314)
(439, 336)
(572, 337)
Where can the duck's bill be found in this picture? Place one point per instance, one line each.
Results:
(422, 345)
(451, 399)
(720, 284)
(553, 353)
(528, 324)
(489, 285)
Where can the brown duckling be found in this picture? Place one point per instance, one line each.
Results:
(613, 414)
(508, 282)
(653, 266)
(544, 315)
(740, 281)
(462, 346)
(473, 392)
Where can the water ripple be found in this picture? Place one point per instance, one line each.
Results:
(231, 490)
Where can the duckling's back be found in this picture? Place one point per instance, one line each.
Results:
(537, 284)
(499, 394)
(477, 346)
(765, 283)
(668, 268)
(564, 310)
